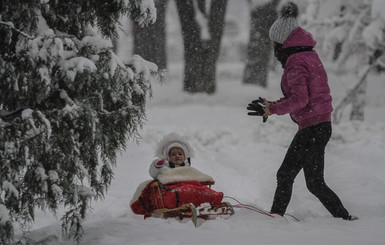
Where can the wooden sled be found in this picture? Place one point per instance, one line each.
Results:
(189, 210)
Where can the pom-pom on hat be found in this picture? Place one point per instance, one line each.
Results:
(170, 141)
(285, 24)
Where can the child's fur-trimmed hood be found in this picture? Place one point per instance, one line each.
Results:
(170, 141)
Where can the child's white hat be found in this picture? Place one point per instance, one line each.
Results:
(170, 141)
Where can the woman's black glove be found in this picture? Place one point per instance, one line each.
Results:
(257, 107)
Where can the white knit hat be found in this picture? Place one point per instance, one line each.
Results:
(285, 24)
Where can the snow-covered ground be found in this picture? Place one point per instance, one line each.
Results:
(242, 154)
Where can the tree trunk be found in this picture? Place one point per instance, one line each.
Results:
(259, 49)
(201, 55)
(150, 41)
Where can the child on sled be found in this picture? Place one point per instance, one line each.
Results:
(175, 183)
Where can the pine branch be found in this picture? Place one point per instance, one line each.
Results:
(8, 116)
(11, 26)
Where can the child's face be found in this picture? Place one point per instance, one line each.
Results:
(177, 156)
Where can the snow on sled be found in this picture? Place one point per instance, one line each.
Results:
(183, 192)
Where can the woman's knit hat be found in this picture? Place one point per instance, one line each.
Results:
(285, 24)
(171, 141)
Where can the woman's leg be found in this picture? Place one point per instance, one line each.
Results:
(314, 171)
(291, 165)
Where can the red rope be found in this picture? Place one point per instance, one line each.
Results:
(250, 207)
(256, 209)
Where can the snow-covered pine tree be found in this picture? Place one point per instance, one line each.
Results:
(67, 105)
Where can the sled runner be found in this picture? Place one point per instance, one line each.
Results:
(180, 193)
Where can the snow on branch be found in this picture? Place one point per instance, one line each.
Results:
(33, 131)
(142, 66)
(4, 214)
(10, 188)
(75, 65)
(143, 11)
(373, 34)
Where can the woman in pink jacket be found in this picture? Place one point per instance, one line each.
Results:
(308, 101)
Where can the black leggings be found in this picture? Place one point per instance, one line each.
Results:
(307, 151)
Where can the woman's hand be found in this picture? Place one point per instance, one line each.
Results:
(266, 108)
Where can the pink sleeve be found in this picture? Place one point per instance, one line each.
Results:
(298, 94)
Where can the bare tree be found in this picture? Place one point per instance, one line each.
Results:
(259, 48)
(202, 23)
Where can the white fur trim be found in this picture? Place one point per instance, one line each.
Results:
(183, 174)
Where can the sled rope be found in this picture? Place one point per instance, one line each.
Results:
(249, 207)
(255, 209)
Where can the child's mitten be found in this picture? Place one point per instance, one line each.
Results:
(160, 163)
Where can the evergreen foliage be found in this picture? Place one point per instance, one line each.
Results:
(68, 105)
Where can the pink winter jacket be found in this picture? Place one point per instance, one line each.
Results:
(304, 84)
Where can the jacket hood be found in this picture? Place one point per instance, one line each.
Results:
(170, 141)
(299, 37)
